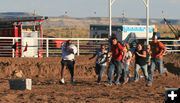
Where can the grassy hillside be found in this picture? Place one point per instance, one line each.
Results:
(84, 32)
(64, 21)
(165, 31)
(68, 32)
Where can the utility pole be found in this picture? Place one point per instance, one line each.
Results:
(110, 22)
(147, 20)
(35, 20)
(123, 19)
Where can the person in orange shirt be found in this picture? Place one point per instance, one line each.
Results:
(158, 49)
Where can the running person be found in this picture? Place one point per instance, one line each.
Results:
(140, 62)
(101, 61)
(126, 62)
(68, 59)
(115, 62)
(158, 50)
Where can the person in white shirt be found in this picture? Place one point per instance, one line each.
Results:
(68, 59)
(101, 61)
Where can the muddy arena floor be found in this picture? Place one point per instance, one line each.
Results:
(44, 73)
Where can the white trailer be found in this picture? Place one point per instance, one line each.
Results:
(124, 33)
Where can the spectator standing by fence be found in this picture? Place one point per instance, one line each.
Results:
(68, 60)
(177, 43)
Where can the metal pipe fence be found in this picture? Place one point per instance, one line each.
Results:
(51, 47)
(48, 47)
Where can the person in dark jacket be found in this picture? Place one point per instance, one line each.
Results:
(140, 62)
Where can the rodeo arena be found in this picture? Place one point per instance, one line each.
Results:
(117, 63)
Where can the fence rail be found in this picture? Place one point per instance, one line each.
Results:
(49, 47)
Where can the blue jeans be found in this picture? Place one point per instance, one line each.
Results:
(144, 69)
(114, 67)
(99, 71)
(126, 71)
(154, 63)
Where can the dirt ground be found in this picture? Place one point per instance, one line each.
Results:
(44, 73)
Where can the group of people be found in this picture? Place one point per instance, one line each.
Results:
(118, 56)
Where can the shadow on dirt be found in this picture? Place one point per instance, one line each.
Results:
(172, 69)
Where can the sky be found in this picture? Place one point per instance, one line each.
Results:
(94, 8)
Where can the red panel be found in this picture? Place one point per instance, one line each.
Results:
(17, 43)
(20, 33)
(16, 32)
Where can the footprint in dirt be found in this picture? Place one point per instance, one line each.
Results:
(21, 96)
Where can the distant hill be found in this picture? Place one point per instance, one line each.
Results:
(85, 22)
(15, 14)
(66, 21)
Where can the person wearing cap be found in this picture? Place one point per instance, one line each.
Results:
(68, 60)
(158, 49)
(115, 62)
(155, 32)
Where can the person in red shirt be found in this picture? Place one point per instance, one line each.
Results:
(116, 61)
(158, 49)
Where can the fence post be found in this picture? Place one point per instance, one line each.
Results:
(13, 49)
(78, 47)
(47, 47)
